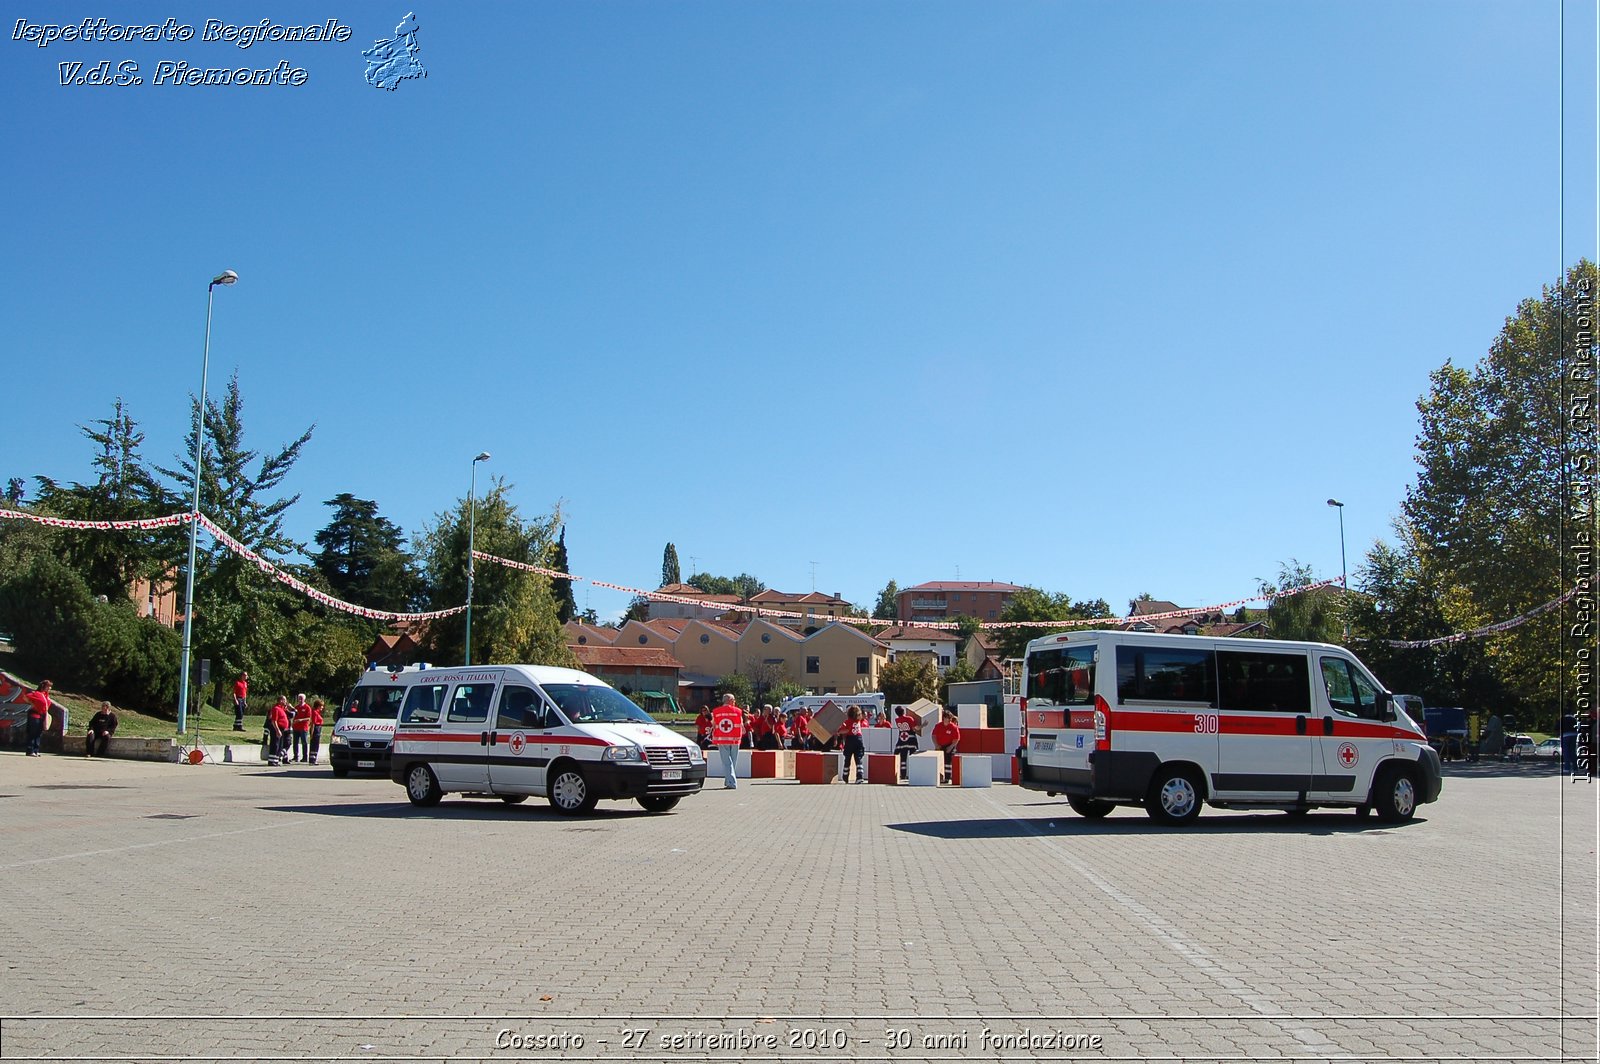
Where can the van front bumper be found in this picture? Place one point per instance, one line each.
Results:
(1432, 781)
(348, 757)
(614, 780)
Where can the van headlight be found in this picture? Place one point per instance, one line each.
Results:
(697, 756)
(623, 753)
(338, 740)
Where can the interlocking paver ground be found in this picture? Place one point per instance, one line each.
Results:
(157, 912)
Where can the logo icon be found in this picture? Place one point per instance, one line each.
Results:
(1347, 754)
(518, 742)
(393, 61)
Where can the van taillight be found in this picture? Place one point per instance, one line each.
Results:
(1102, 723)
(1022, 738)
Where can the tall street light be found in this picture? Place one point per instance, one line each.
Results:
(472, 527)
(1344, 579)
(225, 277)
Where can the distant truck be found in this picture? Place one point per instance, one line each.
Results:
(1447, 728)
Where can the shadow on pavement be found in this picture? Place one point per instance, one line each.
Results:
(463, 809)
(1486, 768)
(1133, 822)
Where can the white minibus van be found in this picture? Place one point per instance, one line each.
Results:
(510, 731)
(363, 722)
(1173, 721)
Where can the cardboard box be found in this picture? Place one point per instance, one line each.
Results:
(972, 715)
(925, 770)
(879, 740)
(976, 770)
(1003, 768)
(827, 720)
(883, 768)
(816, 766)
(1013, 716)
(784, 767)
(764, 764)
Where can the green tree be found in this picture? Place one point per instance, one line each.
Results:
(966, 628)
(363, 557)
(1315, 616)
(566, 605)
(243, 617)
(739, 685)
(907, 678)
(1032, 604)
(888, 605)
(744, 585)
(670, 572)
(124, 489)
(1500, 487)
(514, 611)
(961, 672)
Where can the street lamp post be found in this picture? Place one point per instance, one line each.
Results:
(472, 528)
(225, 277)
(1344, 578)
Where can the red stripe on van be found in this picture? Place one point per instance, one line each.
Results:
(1126, 720)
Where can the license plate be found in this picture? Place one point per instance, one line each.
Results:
(1043, 746)
(366, 764)
(672, 774)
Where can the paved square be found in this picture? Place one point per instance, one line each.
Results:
(161, 912)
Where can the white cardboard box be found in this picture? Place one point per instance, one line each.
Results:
(976, 770)
(924, 770)
(972, 715)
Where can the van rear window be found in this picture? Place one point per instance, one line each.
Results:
(1061, 676)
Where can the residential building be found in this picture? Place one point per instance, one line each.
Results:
(936, 644)
(945, 600)
(706, 607)
(815, 608)
(1144, 615)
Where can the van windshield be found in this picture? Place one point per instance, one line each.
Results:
(592, 704)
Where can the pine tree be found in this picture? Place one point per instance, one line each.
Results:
(670, 573)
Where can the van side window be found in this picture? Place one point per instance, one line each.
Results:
(521, 707)
(1259, 682)
(424, 704)
(1158, 674)
(470, 703)
(1349, 691)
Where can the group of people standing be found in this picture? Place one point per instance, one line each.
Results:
(293, 734)
(729, 725)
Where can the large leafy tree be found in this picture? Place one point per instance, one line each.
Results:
(243, 618)
(907, 678)
(1032, 604)
(514, 611)
(887, 607)
(363, 557)
(1501, 485)
(744, 585)
(1315, 616)
(123, 488)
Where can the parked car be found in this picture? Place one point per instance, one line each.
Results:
(1550, 749)
(1520, 746)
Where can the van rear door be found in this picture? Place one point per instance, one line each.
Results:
(1060, 716)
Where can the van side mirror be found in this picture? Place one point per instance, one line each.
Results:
(1385, 707)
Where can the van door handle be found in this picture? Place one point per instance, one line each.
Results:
(483, 739)
(1300, 725)
(1327, 725)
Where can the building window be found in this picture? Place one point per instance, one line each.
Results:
(766, 637)
(863, 666)
(704, 639)
(583, 639)
(944, 661)
(643, 640)
(813, 665)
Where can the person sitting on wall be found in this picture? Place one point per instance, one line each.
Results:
(102, 726)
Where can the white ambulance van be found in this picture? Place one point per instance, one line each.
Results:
(510, 731)
(1173, 721)
(363, 723)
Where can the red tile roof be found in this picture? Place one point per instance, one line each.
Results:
(962, 585)
(625, 657)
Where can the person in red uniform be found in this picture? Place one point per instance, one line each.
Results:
(278, 730)
(759, 725)
(779, 731)
(316, 729)
(241, 691)
(802, 729)
(947, 737)
(38, 708)
(907, 735)
(726, 732)
(301, 724)
(702, 728)
(854, 747)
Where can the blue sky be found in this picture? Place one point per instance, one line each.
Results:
(1103, 298)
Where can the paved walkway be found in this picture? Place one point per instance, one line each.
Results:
(163, 912)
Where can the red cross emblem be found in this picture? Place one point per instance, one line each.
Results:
(1347, 754)
(518, 741)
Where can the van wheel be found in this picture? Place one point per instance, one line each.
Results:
(1362, 811)
(1174, 796)
(661, 804)
(340, 771)
(569, 792)
(513, 799)
(1394, 795)
(421, 786)
(1090, 808)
